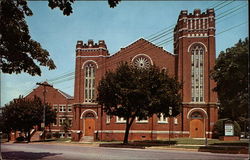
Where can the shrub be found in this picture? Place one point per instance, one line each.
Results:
(20, 139)
(56, 135)
(218, 129)
(48, 135)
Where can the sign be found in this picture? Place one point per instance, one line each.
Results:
(42, 125)
(229, 129)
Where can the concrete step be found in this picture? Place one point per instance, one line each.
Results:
(87, 139)
(36, 136)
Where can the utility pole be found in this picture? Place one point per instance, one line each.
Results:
(44, 105)
(170, 114)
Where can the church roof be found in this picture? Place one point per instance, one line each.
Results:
(65, 94)
(143, 42)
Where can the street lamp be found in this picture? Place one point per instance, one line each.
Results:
(44, 105)
(0, 145)
(170, 114)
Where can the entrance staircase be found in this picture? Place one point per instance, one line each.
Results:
(87, 139)
(36, 136)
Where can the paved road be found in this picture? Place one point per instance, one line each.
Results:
(63, 152)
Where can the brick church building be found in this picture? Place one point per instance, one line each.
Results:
(191, 62)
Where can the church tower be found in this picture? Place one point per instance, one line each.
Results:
(89, 67)
(88, 56)
(194, 45)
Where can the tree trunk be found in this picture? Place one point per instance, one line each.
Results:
(245, 128)
(8, 136)
(28, 137)
(128, 125)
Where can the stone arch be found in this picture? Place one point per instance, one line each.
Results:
(84, 113)
(195, 43)
(89, 61)
(200, 110)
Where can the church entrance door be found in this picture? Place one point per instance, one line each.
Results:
(197, 126)
(89, 124)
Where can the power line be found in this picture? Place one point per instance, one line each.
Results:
(154, 37)
(235, 26)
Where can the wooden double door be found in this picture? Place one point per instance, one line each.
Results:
(89, 126)
(197, 128)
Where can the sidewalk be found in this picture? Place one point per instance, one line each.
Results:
(180, 147)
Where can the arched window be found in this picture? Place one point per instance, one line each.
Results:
(196, 115)
(89, 115)
(197, 73)
(142, 61)
(89, 81)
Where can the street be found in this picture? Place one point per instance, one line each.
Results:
(75, 152)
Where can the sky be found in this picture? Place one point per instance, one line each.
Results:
(119, 27)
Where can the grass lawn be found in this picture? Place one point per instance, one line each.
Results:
(189, 141)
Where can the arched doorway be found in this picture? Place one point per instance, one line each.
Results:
(89, 124)
(196, 125)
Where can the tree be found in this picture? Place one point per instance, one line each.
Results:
(23, 114)
(231, 75)
(130, 92)
(65, 5)
(4, 128)
(19, 53)
(66, 124)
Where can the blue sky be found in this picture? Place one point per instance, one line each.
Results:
(119, 27)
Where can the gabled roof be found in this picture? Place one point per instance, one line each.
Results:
(65, 94)
(144, 42)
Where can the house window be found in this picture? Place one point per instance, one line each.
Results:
(144, 120)
(175, 121)
(89, 81)
(61, 121)
(55, 123)
(162, 119)
(69, 108)
(70, 121)
(197, 73)
(107, 118)
(55, 107)
(62, 108)
(120, 120)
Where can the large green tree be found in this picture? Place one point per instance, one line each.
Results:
(231, 75)
(23, 114)
(18, 51)
(130, 92)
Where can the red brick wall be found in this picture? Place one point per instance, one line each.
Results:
(53, 97)
(177, 64)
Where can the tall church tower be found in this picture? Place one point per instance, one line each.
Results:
(90, 60)
(194, 45)
(88, 56)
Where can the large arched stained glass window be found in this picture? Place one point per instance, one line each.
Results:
(89, 82)
(197, 73)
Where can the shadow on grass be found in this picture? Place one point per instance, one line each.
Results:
(27, 155)
(47, 140)
(138, 144)
(245, 144)
(227, 147)
(224, 149)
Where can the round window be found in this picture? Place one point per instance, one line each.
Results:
(142, 62)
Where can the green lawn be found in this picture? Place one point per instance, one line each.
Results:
(190, 141)
(202, 141)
